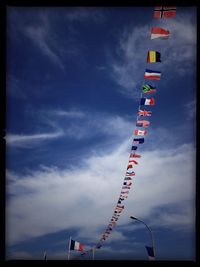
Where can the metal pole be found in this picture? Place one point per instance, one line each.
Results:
(93, 253)
(68, 255)
(151, 234)
(45, 256)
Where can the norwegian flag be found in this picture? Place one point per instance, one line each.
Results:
(164, 12)
(144, 113)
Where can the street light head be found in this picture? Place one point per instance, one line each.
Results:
(133, 218)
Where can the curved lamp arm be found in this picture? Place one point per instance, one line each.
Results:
(151, 234)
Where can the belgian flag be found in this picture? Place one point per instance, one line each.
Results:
(153, 56)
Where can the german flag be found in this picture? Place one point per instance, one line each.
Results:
(153, 56)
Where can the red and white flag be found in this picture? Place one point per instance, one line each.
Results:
(140, 132)
(157, 32)
(144, 113)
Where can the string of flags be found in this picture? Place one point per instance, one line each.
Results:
(160, 12)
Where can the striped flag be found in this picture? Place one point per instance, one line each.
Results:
(164, 12)
(143, 123)
(133, 155)
(138, 140)
(134, 148)
(133, 161)
(76, 246)
(153, 56)
(157, 32)
(152, 74)
(147, 101)
(128, 178)
(130, 173)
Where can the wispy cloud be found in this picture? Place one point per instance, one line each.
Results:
(82, 124)
(72, 114)
(41, 37)
(30, 140)
(179, 50)
(13, 88)
(190, 109)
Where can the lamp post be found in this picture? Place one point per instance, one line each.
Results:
(151, 234)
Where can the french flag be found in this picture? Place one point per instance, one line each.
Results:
(147, 101)
(76, 245)
(152, 74)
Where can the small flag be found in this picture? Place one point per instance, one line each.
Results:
(98, 246)
(127, 183)
(152, 74)
(133, 155)
(144, 113)
(118, 211)
(147, 89)
(129, 166)
(134, 148)
(143, 123)
(157, 32)
(140, 132)
(133, 161)
(147, 101)
(164, 12)
(150, 253)
(127, 178)
(130, 173)
(120, 206)
(76, 246)
(113, 223)
(138, 140)
(126, 187)
(153, 56)
(124, 192)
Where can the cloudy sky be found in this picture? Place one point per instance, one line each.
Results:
(74, 79)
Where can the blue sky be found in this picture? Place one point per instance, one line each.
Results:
(74, 79)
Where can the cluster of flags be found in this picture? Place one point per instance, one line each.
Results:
(147, 88)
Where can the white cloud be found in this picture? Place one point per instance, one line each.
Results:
(179, 50)
(190, 109)
(13, 88)
(40, 36)
(79, 124)
(90, 192)
(87, 125)
(27, 141)
(70, 114)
